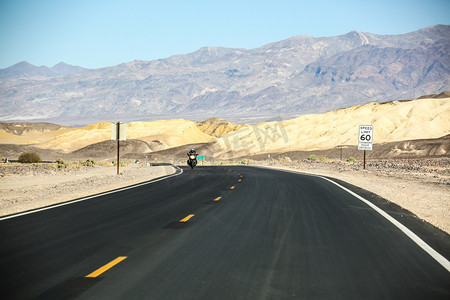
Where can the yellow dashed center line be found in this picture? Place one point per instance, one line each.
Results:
(107, 267)
(187, 218)
(239, 180)
(232, 188)
(218, 198)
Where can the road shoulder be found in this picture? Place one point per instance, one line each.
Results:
(22, 192)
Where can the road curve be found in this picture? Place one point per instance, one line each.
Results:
(216, 233)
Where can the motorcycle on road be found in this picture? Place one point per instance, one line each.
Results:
(192, 161)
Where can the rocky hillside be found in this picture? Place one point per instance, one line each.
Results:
(411, 149)
(141, 136)
(407, 125)
(393, 121)
(27, 127)
(299, 75)
(108, 149)
(217, 127)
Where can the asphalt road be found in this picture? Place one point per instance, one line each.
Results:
(270, 235)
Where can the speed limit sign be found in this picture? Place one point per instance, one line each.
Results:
(365, 137)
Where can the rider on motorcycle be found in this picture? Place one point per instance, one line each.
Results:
(192, 161)
(192, 152)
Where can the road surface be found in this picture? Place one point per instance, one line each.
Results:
(216, 233)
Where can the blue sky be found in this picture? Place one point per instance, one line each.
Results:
(95, 34)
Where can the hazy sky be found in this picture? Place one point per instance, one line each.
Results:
(95, 34)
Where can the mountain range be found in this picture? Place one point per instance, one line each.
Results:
(296, 76)
(26, 70)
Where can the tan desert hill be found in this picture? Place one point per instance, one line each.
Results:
(218, 127)
(403, 129)
(166, 133)
(107, 149)
(427, 118)
(31, 138)
(27, 127)
(158, 134)
(423, 148)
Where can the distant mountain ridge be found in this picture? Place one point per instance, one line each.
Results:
(298, 75)
(25, 69)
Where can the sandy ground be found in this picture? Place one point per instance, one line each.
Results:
(32, 188)
(427, 195)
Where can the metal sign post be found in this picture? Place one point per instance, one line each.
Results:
(118, 147)
(118, 133)
(340, 147)
(365, 139)
(364, 160)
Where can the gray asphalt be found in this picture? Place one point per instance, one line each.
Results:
(275, 235)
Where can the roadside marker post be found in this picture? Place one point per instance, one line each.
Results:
(340, 147)
(365, 139)
(118, 146)
(364, 159)
(118, 133)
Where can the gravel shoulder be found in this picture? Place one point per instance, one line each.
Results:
(420, 186)
(28, 187)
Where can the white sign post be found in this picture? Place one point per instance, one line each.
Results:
(118, 133)
(365, 139)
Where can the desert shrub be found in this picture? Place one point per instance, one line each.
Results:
(75, 165)
(89, 163)
(313, 157)
(29, 157)
(285, 159)
(61, 164)
(244, 161)
(52, 166)
(323, 158)
(351, 159)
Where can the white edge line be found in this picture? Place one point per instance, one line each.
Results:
(438, 257)
(89, 197)
(433, 253)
